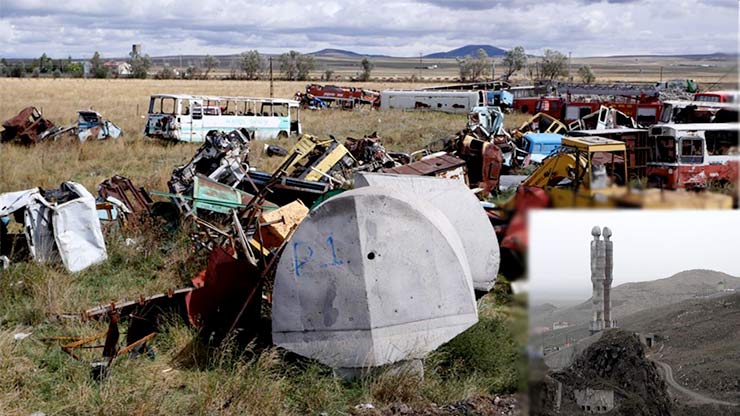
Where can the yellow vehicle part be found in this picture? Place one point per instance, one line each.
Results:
(303, 147)
(327, 163)
(555, 126)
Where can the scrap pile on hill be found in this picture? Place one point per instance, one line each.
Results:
(616, 362)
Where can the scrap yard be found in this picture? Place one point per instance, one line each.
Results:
(319, 211)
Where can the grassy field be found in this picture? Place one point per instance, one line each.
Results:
(35, 376)
(710, 71)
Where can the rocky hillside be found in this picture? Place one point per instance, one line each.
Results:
(700, 339)
(616, 362)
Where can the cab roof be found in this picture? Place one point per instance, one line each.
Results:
(594, 144)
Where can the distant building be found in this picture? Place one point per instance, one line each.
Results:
(559, 325)
(595, 401)
(118, 68)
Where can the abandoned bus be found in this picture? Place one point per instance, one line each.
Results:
(693, 156)
(189, 118)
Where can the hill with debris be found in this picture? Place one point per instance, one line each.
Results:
(629, 298)
(616, 367)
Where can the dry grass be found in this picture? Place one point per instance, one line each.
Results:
(37, 377)
(150, 162)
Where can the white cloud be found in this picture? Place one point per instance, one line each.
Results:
(402, 28)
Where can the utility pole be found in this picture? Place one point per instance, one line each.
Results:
(271, 87)
(421, 65)
(570, 67)
(493, 69)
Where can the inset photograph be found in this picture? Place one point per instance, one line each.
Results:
(634, 312)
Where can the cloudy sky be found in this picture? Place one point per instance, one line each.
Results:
(648, 245)
(399, 28)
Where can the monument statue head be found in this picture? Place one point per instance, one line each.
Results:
(607, 233)
(596, 232)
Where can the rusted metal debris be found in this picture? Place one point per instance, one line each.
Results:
(110, 348)
(91, 125)
(122, 193)
(28, 127)
(372, 156)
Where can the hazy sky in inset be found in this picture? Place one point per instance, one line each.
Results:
(29, 28)
(648, 245)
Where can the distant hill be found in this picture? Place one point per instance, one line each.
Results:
(630, 298)
(468, 50)
(342, 53)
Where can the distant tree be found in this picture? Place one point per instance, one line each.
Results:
(210, 63)
(192, 72)
(296, 66)
(554, 65)
(514, 60)
(97, 67)
(251, 64)
(4, 68)
(57, 73)
(140, 64)
(166, 73)
(18, 70)
(75, 69)
(472, 68)
(367, 68)
(586, 74)
(45, 64)
(328, 74)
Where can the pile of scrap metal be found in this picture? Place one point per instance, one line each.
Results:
(118, 198)
(536, 138)
(602, 119)
(477, 154)
(56, 223)
(29, 127)
(372, 156)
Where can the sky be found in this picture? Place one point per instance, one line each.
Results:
(29, 28)
(648, 245)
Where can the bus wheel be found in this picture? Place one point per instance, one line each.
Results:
(282, 135)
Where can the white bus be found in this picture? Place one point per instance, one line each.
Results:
(189, 118)
(447, 101)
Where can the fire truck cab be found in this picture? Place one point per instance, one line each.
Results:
(693, 156)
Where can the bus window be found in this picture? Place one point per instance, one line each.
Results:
(167, 106)
(665, 150)
(266, 109)
(692, 151)
(185, 107)
(722, 142)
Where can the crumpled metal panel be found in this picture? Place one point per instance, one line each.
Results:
(77, 231)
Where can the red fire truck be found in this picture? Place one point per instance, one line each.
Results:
(345, 97)
(693, 156)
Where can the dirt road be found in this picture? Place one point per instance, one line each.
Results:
(697, 397)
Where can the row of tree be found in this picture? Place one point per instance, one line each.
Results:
(553, 65)
(292, 66)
